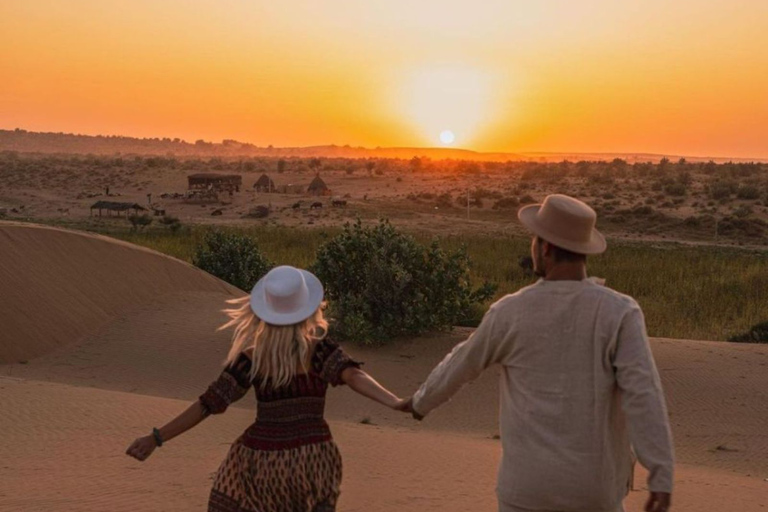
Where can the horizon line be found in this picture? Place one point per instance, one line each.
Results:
(433, 148)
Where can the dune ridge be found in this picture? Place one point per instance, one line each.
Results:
(59, 285)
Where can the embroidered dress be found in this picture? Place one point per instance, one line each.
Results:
(287, 459)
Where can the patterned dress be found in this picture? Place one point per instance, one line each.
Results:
(286, 461)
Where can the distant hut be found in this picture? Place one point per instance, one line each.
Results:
(217, 182)
(111, 206)
(264, 184)
(318, 187)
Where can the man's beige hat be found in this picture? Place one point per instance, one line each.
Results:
(565, 222)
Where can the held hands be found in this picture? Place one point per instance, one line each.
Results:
(142, 448)
(406, 405)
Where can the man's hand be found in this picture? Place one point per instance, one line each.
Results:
(658, 502)
(407, 406)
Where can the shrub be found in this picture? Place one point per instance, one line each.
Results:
(757, 334)
(721, 189)
(139, 221)
(231, 257)
(172, 223)
(506, 203)
(675, 189)
(748, 192)
(444, 200)
(382, 284)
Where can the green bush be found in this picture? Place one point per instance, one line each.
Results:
(382, 284)
(231, 257)
(757, 334)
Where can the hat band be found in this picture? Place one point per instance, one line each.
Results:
(576, 230)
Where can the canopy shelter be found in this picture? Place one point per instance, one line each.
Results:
(111, 206)
(218, 182)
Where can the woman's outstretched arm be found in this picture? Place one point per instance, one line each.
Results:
(143, 447)
(360, 382)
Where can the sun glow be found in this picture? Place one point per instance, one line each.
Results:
(457, 96)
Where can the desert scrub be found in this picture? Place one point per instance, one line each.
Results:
(693, 292)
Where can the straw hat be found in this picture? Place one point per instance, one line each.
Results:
(565, 222)
(286, 296)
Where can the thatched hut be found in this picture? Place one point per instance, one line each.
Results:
(318, 187)
(112, 206)
(264, 184)
(218, 182)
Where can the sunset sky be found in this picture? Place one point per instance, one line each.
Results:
(678, 77)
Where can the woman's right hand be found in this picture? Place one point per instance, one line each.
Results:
(142, 448)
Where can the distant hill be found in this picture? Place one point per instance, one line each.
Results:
(39, 142)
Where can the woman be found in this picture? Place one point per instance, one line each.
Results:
(287, 459)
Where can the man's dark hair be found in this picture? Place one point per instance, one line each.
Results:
(559, 254)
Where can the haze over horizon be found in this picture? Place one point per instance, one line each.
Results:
(597, 77)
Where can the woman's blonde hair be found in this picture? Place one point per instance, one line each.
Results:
(277, 351)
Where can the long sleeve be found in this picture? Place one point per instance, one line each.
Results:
(232, 384)
(465, 363)
(643, 401)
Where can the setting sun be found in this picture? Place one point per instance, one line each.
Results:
(461, 97)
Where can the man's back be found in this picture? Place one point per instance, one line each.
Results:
(567, 348)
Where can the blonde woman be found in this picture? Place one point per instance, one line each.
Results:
(287, 459)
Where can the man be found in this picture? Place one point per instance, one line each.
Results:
(578, 385)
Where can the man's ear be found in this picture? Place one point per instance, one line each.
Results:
(546, 248)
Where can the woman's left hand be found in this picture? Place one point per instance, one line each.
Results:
(142, 448)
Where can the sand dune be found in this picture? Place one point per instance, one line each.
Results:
(61, 285)
(63, 447)
(129, 348)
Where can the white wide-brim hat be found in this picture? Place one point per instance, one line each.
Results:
(286, 295)
(565, 222)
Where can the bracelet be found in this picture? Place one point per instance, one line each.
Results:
(158, 438)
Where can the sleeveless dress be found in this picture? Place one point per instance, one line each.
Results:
(286, 461)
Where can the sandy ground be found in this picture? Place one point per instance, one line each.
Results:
(70, 412)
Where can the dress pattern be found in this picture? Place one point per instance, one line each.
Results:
(286, 461)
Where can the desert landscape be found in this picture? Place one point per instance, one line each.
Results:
(93, 355)
(639, 197)
(421, 163)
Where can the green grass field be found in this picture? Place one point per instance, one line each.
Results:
(693, 292)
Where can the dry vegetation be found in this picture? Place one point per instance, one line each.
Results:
(687, 290)
(698, 202)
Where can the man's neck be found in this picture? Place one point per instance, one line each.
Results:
(567, 272)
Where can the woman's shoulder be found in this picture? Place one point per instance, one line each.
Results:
(325, 347)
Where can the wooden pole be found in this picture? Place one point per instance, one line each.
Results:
(467, 204)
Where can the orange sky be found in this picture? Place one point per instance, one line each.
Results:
(684, 77)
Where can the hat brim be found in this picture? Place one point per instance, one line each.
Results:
(595, 245)
(264, 311)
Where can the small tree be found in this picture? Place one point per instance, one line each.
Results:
(231, 257)
(382, 284)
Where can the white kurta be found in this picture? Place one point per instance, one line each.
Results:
(578, 385)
